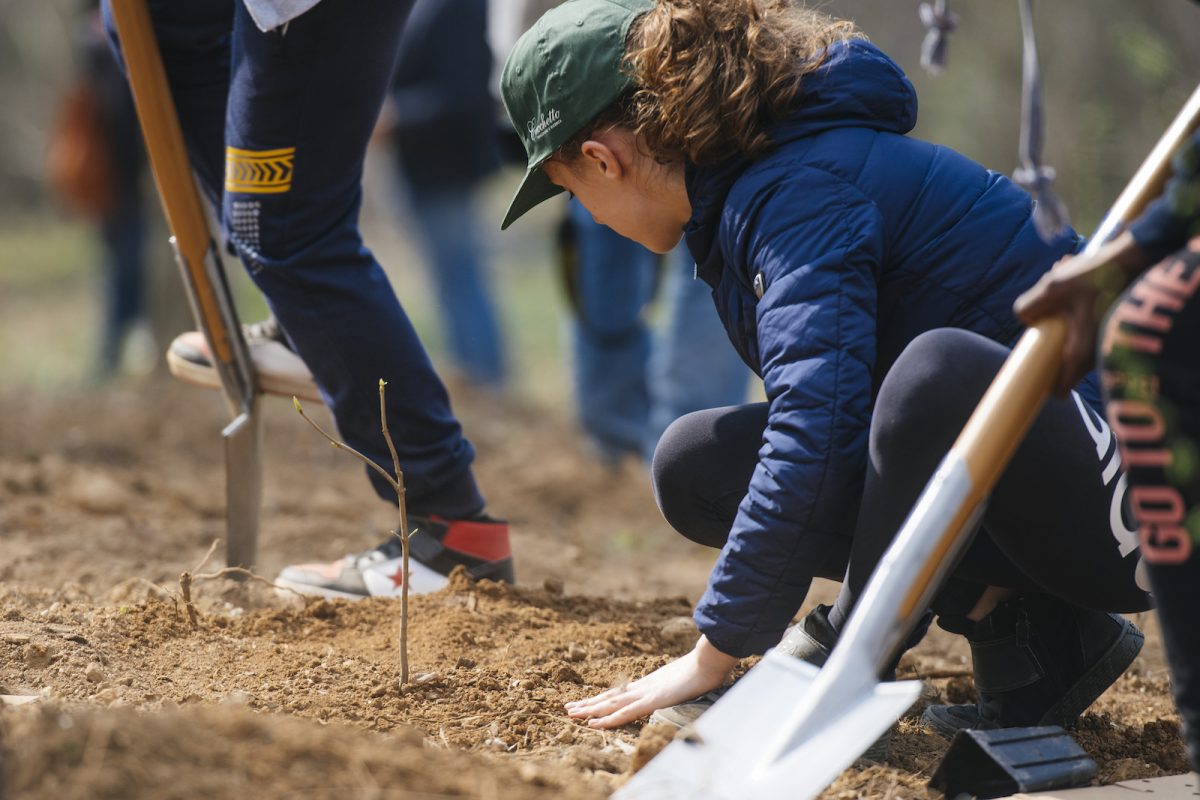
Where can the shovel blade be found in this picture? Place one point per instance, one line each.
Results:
(726, 754)
(243, 486)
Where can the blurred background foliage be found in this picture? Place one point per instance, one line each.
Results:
(1114, 73)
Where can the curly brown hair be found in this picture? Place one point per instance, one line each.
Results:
(709, 76)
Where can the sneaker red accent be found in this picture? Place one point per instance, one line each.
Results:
(486, 539)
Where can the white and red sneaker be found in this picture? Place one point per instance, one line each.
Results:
(436, 547)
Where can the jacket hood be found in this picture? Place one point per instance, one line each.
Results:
(858, 86)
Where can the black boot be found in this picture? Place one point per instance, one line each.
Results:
(814, 636)
(1038, 660)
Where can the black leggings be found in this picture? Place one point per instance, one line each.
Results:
(1151, 370)
(1054, 522)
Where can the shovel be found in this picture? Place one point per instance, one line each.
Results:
(199, 260)
(734, 751)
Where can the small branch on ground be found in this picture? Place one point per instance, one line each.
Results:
(185, 589)
(245, 573)
(212, 548)
(187, 578)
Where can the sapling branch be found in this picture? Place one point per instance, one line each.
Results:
(403, 531)
(397, 484)
(343, 446)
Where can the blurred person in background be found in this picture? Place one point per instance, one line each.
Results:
(631, 382)
(443, 129)
(96, 166)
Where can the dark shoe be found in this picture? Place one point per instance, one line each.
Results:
(685, 714)
(1038, 661)
(810, 640)
(436, 547)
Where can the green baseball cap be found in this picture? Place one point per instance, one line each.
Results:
(561, 73)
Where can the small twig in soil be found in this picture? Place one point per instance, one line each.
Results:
(186, 579)
(403, 532)
(397, 484)
(185, 589)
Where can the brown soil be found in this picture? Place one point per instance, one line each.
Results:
(106, 498)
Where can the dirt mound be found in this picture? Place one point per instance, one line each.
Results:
(104, 500)
(229, 752)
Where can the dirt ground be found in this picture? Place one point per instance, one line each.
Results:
(106, 497)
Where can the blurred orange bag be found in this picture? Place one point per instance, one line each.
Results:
(78, 163)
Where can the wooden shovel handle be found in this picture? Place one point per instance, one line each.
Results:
(169, 160)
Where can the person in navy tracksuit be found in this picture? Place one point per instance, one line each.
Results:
(868, 278)
(277, 101)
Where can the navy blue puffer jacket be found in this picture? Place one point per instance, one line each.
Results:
(827, 256)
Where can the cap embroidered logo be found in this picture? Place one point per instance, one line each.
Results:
(544, 123)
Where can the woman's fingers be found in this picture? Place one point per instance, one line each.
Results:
(624, 715)
(601, 704)
(598, 709)
(701, 670)
(607, 693)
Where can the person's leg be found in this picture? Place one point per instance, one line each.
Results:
(1056, 512)
(1152, 381)
(302, 105)
(693, 365)
(123, 237)
(1053, 529)
(610, 342)
(701, 471)
(449, 230)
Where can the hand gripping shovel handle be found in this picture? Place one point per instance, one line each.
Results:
(200, 264)
(195, 248)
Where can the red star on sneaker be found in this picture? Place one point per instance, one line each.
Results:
(398, 578)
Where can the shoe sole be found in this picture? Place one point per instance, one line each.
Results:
(500, 572)
(946, 730)
(1081, 695)
(312, 590)
(206, 377)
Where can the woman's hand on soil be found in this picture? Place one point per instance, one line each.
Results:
(703, 669)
